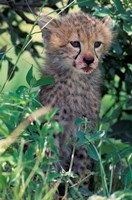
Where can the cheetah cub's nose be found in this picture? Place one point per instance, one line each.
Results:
(88, 60)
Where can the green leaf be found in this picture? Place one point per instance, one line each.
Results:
(125, 152)
(51, 127)
(30, 152)
(7, 157)
(92, 152)
(29, 75)
(53, 2)
(111, 147)
(96, 136)
(44, 81)
(102, 12)
(52, 176)
(44, 129)
(80, 121)
(89, 3)
(21, 89)
(127, 28)
(58, 128)
(122, 154)
(116, 113)
(122, 195)
(50, 115)
(82, 140)
(3, 129)
(128, 178)
(3, 182)
(119, 6)
(117, 47)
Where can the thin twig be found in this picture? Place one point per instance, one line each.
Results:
(67, 9)
(70, 170)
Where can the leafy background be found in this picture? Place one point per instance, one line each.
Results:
(21, 55)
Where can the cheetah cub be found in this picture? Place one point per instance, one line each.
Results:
(74, 45)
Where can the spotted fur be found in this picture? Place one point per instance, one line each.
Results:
(76, 91)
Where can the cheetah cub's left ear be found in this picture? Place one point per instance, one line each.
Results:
(107, 21)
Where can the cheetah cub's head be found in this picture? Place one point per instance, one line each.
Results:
(76, 41)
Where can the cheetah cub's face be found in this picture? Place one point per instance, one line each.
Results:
(76, 41)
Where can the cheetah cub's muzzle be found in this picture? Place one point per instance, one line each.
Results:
(86, 64)
(88, 61)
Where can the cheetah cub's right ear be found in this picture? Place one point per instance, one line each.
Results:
(44, 21)
(48, 26)
(45, 26)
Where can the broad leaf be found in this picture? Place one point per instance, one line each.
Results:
(81, 138)
(119, 6)
(92, 152)
(29, 75)
(44, 81)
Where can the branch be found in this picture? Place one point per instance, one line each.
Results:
(27, 6)
(23, 5)
(30, 6)
(19, 12)
(5, 143)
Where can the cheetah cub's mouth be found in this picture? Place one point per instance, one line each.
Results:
(87, 69)
(86, 66)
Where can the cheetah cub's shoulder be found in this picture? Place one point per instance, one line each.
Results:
(74, 46)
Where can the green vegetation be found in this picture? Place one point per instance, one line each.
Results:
(25, 171)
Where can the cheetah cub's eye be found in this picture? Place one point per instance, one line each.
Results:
(97, 44)
(75, 44)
